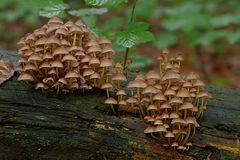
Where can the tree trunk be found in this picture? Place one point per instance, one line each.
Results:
(36, 125)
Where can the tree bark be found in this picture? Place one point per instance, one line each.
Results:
(36, 125)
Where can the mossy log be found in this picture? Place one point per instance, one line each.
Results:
(36, 125)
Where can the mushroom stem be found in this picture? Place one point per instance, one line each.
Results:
(194, 129)
(200, 109)
(160, 68)
(58, 89)
(185, 113)
(153, 136)
(113, 109)
(179, 130)
(57, 73)
(139, 103)
(118, 84)
(102, 77)
(169, 84)
(187, 136)
(204, 105)
(74, 38)
(80, 40)
(107, 91)
(151, 98)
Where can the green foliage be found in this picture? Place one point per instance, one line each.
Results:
(109, 3)
(139, 61)
(201, 23)
(54, 10)
(165, 40)
(88, 11)
(135, 33)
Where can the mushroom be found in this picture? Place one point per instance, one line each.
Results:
(119, 77)
(111, 101)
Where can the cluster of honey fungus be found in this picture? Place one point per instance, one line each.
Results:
(169, 103)
(64, 57)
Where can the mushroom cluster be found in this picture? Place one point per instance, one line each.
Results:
(64, 57)
(6, 70)
(169, 103)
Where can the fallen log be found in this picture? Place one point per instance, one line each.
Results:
(34, 125)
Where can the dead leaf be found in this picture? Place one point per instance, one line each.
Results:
(6, 70)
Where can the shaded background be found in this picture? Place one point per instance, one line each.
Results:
(206, 31)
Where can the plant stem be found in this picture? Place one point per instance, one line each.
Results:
(127, 49)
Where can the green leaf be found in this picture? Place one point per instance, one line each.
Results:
(139, 61)
(88, 11)
(233, 37)
(127, 39)
(112, 24)
(54, 10)
(165, 40)
(146, 9)
(90, 21)
(110, 3)
(135, 33)
(206, 38)
(224, 20)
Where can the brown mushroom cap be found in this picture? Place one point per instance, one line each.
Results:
(191, 120)
(94, 61)
(153, 75)
(149, 129)
(119, 77)
(192, 76)
(122, 102)
(183, 93)
(26, 77)
(178, 121)
(203, 95)
(95, 75)
(72, 74)
(169, 134)
(152, 107)
(165, 105)
(41, 85)
(158, 122)
(55, 20)
(174, 115)
(160, 128)
(121, 92)
(132, 100)
(106, 86)
(150, 90)
(186, 105)
(105, 62)
(165, 115)
(159, 97)
(170, 75)
(169, 92)
(110, 100)
(174, 144)
(137, 84)
(104, 41)
(88, 72)
(175, 100)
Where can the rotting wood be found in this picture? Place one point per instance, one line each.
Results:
(34, 125)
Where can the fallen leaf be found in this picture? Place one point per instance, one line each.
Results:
(6, 70)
